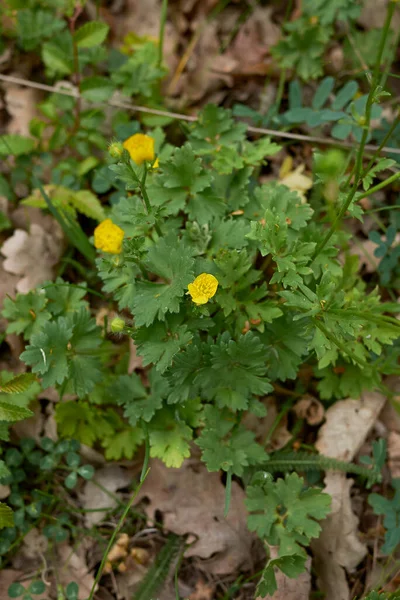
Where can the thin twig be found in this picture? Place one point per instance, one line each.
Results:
(192, 118)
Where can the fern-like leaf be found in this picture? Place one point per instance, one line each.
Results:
(18, 384)
(303, 461)
(6, 516)
(158, 573)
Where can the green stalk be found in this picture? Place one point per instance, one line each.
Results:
(359, 158)
(388, 135)
(114, 535)
(381, 185)
(146, 452)
(163, 20)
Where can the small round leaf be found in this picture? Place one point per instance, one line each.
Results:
(73, 460)
(15, 590)
(86, 471)
(71, 480)
(37, 587)
(72, 590)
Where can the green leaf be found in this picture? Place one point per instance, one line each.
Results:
(64, 298)
(169, 440)
(84, 422)
(279, 200)
(7, 520)
(11, 413)
(57, 59)
(17, 385)
(88, 204)
(34, 26)
(302, 47)
(170, 260)
(119, 279)
(122, 444)
(91, 34)
(159, 343)
(182, 178)
(138, 402)
(97, 89)
(16, 589)
(37, 588)
(215, 129)
(256, 152)
(227, 446)
(285, 514)
(15, 145)
(391, 511)
(292, 566)
(47, 352)
(71, 480)
(26, 314)
(236, 370)
(327, 12)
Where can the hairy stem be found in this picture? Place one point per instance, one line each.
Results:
(360, 152)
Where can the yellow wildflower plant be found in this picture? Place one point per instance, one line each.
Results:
(108, 237)
(203, 288)
(140, 148)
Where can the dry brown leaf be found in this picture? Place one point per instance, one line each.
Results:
(348, 423)
(203, 591)
(5, 491)
(310, 409)
(255, 38)
(365, 249)
(31, 427)
(8, 283)
(373, 15)
(34, 544)
(21, 105)
(291, 589)
(394, 453)
(32, 255)
(112, 478)
(192, 501)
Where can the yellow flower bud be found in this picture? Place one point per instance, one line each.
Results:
(117, 325)
(108, 237)
(203, 288)
(140, 148)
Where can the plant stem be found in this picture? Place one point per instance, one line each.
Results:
(114, 535)
(146, 199)
(359, 157)
(163, 20)
(388, 135)
(146, 452)
(72, 27)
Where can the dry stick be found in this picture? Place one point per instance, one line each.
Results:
(190, 118)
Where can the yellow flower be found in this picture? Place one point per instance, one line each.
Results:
(203, 288)
(108, 237)
(140, 148)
